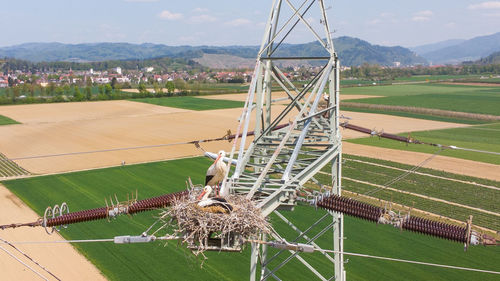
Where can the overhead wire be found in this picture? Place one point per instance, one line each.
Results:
(197, 142)
(63, 241)
(405, 174)
(474, 150)
(412, 262)
(28, 257)
(23, 263)
(269, 243)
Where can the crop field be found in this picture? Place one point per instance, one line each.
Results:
(7, 121)
(484, 80)
(482, 137)
(416, 78)
(414, 115)
(222, 88)
(461, 98)
(468, 194)
(192, 103)
(37, 92)
(82, 190)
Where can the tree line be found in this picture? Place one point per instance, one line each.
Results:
(28, 93)
(161, 64)
(375, 72)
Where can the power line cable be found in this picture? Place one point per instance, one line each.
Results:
(23, 263)
(64, 241)
(315, 249)
(474, 150)
(405, 174)
(412, 262)
(30, 258)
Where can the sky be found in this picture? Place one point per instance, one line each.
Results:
(231, 22)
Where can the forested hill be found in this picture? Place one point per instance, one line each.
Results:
(468, 50)
(164, 64)
(352, 52)
(491, 59)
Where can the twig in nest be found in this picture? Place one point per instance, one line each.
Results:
(197, 226)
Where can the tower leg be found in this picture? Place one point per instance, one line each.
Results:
(254, 258)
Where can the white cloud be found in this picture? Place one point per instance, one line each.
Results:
(425, 13)
(419, 18)
(141, 1)
(202, 18)
(383, 18)
(374, 22)
(450, 25)
(422, 16)
(239, 22)
(485, 5)
(170, 16)
(200, 10)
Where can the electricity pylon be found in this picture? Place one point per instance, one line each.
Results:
(277, 167)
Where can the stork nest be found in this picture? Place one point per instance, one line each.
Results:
(198, 226)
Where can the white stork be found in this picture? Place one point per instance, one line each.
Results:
(213, 205)
(217, 171)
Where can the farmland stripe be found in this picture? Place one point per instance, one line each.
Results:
(424, 174)
(425, 197)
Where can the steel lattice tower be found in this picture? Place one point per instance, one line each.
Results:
(275, 166)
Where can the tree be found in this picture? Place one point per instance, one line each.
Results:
(118, 88)
(101, 89)
(108, 89)
(170, 87)
(77, 95)
(89, 81)
(11, 81)
(51, 89)
(88, 92)
(180, 84)
(66, 89)
(43, 92)
(142, 88)
(156, 88)
(113, 82)
(59, 91)
(32, 88)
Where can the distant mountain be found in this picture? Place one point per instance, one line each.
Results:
(468, 50)
(491, 59)
(422, 49)
(37, 52)
(352, 52)
(355, 52)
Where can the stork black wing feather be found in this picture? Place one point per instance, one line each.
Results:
(208, 178)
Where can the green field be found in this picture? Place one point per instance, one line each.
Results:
(219, 87)
(452, 191)
(7, 121)
(483, 137)
(192, 103)
(484, 80)
(471, 99)
(416, 78)
(82, 190)
(412, 115)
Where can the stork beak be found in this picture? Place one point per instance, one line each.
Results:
(218, 157)
(201, 195)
